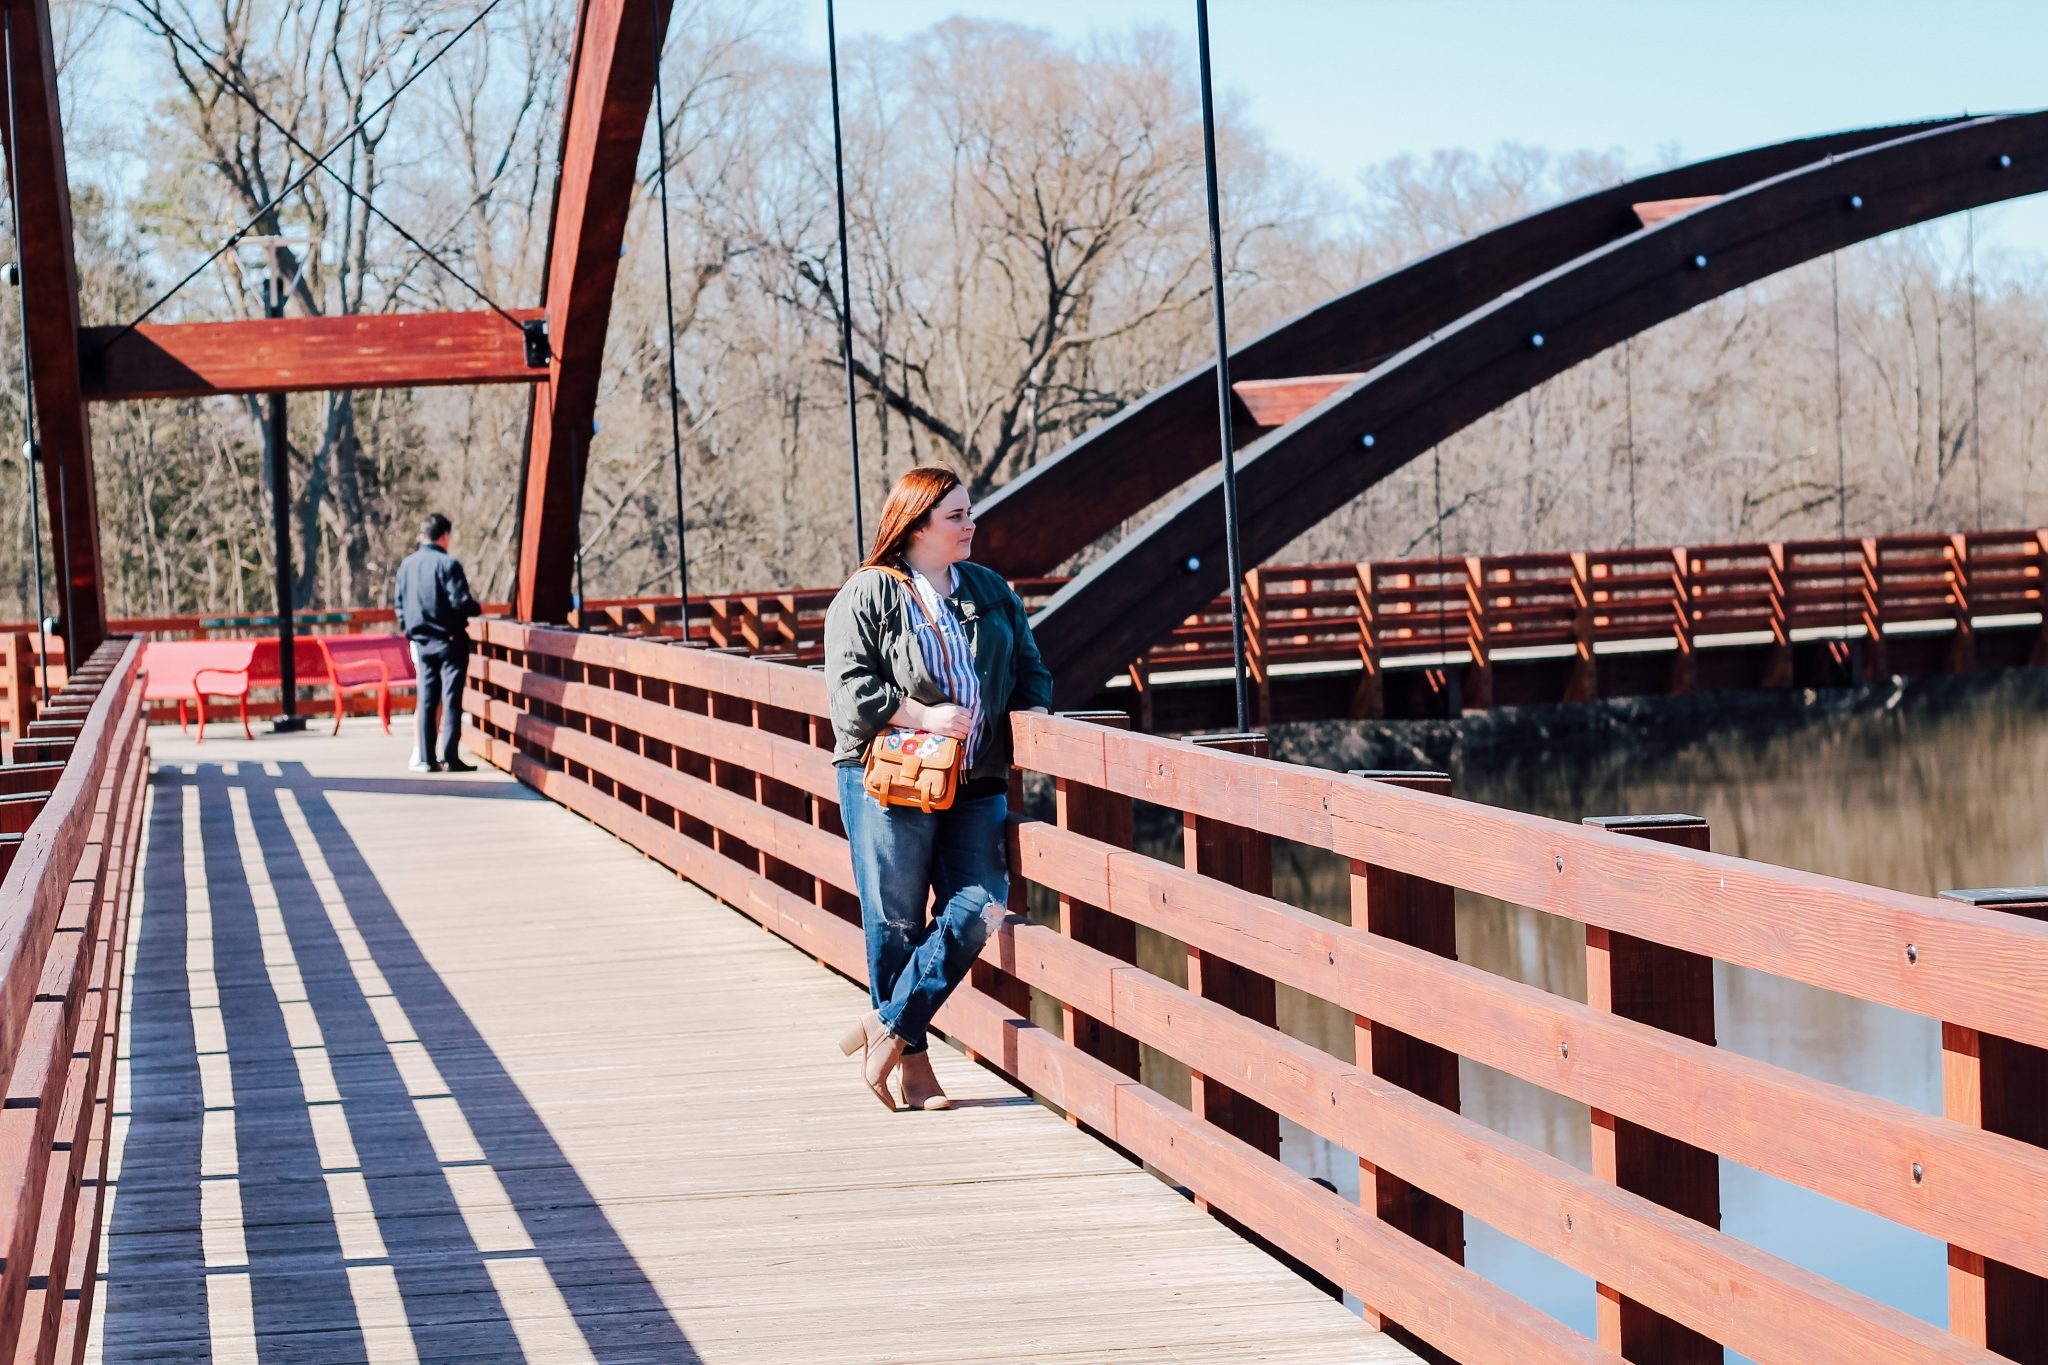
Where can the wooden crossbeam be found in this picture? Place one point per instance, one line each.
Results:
(1276, 402)
(1654, 211)
(300, 355)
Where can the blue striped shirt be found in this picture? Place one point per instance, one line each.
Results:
(949, 657)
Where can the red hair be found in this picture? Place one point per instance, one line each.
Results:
(908, 511)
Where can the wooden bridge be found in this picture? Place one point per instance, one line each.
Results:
(431, 1069)
(310, 1061)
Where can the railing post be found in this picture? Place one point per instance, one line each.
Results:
(1140, 674)
(1255, 626)
(1684, 674)
(780, 796)
(1876, 660)
(1407, 909)
(2000, 1086)
(2037, 657)
(1477, 693)
(1368, 699)
(1104, 816)
(1242, 858)
(17, 663)
(825, 815)
(984, 976)
(1585, 680)
(1673, 990)
(1780, 673)
(1963, 654)
(731, 776)
(1006, 990)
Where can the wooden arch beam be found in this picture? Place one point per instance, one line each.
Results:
(305, 355)
(49, 276)
(1292, 479)
(611, 85)
(1117, 469)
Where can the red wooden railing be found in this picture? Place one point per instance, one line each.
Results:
(70, 830)
(1474, 615)
(1461, 618)
(716, 765)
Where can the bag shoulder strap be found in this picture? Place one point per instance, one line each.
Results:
(911, 588)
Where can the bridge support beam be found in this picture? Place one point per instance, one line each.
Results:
(1670, 989)
(611, 86)
(49, 274)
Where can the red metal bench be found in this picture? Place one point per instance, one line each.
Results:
(362, 663)
(192, 670)
(195, 670)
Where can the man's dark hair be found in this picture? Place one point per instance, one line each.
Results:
(435, 526)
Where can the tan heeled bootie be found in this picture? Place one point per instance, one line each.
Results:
(921, 1089)
(880, 1051)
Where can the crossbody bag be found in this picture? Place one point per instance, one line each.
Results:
(912, 767)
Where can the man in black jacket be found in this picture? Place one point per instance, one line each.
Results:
(434, 607)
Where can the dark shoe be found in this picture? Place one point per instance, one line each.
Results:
(456, 765)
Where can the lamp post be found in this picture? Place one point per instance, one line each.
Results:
(276, 286)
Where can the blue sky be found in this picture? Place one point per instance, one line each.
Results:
(1342, 84)
(1338, 85)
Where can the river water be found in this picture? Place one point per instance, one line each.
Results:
(1919, 789)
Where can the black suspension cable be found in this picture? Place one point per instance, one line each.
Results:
(1628, 399)
(31, 453)
(1841, 439)
(860, 539)
(1976, 375)
(1225, 434)
(229, 84)
(1443, 623)
(579, 456)
(319, 163)
(668, 290)
(61, 536)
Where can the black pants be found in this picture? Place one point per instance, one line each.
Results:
(441, 666)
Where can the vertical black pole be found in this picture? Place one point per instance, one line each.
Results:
(860, 537)
(578, 451)
(1223, 396)
(30, 451)
(288, 719)
(1976, 375)
(668, 290)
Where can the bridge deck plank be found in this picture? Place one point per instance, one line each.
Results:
(427, 1068)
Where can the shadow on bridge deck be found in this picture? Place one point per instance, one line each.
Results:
(322, 1151)
(429, 1069)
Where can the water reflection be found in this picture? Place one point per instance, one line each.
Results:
(1921, 789)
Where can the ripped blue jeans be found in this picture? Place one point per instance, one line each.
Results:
(903, 860)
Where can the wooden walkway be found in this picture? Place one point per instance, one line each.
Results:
(428, 1068)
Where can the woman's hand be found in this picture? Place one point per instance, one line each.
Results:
(956, 722)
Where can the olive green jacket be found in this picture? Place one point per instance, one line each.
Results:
(873, 661)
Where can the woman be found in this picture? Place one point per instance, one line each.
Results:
(958, 665)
